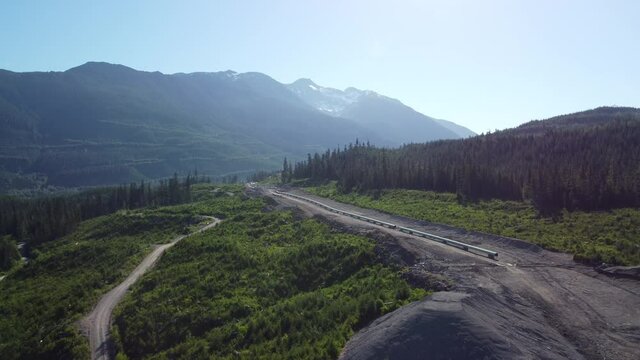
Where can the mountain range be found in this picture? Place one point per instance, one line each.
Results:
(101, 123)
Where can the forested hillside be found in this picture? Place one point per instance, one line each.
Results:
(104, 124)
(42, 219)
(584, 119)
(101, 123)
(586, 161)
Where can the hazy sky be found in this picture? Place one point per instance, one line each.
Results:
(483, 64)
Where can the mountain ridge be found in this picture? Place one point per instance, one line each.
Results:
(593, 117)
(101, 123)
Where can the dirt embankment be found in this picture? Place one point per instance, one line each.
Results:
(529, 304)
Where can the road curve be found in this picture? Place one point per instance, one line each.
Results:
(96, 325)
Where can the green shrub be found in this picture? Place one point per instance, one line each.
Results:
(260, 285)
(594, 237)
(9, 254)
(42, 300)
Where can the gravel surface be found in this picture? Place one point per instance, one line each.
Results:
(530, 303)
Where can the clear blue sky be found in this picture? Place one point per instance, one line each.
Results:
(483, 64)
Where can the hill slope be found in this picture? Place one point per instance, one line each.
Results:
(581, 120)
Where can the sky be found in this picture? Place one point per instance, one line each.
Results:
(486, 65)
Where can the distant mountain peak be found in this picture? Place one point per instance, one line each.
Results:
(325, 99)
(303, 82)
(100, 66)
(230, 74)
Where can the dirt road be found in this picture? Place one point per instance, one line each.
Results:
(96, 325)
(529, 304)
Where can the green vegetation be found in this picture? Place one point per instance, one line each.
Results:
(42, 219)
(588, 161)
(42, 300)
(8, 252)
(266, 177)
(259, 285)
(100, 124)
(612, 236)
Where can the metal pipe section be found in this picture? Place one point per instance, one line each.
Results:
(466, 247)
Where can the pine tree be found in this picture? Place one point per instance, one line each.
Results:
(285, 172)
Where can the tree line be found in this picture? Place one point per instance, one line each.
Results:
(587, 168)
(42, 219)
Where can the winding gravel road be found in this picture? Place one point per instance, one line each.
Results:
(96, 325)
(530, 303)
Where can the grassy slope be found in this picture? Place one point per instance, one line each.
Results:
(260, 285)
(611, 237)
(42, 300)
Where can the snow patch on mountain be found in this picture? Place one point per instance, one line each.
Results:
(328, 100)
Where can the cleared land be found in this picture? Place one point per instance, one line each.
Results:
(531, 303)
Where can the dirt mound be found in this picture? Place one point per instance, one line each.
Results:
(437, 328)
(456, 325)
(419, 275)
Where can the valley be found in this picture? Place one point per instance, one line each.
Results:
(317, 180)
(532, 273)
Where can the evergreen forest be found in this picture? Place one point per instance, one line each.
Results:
(583, 166)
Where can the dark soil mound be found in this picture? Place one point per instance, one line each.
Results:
(438, 328)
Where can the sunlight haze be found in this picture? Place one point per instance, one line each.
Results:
(485, 65)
